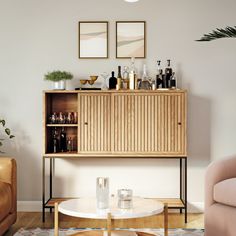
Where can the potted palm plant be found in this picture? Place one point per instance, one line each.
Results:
(58, 78)
(7, 132)
(228, 32)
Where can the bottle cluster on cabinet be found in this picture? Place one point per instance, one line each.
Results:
(61, 123)
(130, 79)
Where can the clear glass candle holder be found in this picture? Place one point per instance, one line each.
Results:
(102, 192)
(125, 198)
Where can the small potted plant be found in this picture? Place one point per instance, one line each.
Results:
(7, 131)
(58, 78)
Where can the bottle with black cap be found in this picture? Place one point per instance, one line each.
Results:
(112, 81)
(159, 75)
(168, 74)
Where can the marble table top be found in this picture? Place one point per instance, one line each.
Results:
(86, 208)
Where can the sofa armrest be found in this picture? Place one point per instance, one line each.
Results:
(8, 175)
(217, 172)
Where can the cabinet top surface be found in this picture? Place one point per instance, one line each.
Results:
(119, 91)
(86, 208)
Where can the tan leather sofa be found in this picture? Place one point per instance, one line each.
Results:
(220, 198)
(7, 193)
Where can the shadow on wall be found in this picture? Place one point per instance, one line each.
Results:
(199, 124)
(199, 130)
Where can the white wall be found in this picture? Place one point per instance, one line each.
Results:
(40, 36)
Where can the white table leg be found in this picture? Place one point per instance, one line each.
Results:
(56, 230)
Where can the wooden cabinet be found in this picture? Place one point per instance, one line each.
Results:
(122, 123)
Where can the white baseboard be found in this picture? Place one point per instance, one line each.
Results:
(36, 206)
(196, 207)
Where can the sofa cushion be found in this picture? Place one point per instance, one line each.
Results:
(225, 192)
(5, 199)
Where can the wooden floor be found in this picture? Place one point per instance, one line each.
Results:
(33, 220)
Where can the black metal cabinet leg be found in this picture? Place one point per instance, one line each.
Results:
(43, 188)
(50, 184)
(185, 190)
(181, 182)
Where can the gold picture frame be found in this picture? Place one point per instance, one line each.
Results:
(93, 39)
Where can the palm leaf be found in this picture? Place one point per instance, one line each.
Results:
(228, 32)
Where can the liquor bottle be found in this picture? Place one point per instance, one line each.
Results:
(63, 143)
(69, 144)
(132, 75)
(119, 79)
(126, 77)
(112, 81)
(168, 74)
(173, 82)
(55, 142)
(159, 75)
(144, 83)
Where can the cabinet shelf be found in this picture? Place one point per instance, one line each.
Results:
(62, 125)
(173, 203)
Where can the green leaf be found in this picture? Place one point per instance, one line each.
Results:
(12, 136)
(228, 32)
(3, 122)
(7, 131)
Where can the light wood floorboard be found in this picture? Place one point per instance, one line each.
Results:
(33, 220)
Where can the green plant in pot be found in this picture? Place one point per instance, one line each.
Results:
(7, 132)
(58, 78)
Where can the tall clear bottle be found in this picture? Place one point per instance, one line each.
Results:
(144, 83)
(126, 77)
(132, 74)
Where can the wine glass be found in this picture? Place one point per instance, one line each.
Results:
(104, 75)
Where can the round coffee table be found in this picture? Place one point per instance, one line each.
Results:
(86, 208)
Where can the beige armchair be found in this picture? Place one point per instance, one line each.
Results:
(7, 193)
(220, 198)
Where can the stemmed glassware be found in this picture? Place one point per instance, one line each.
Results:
(104, 75)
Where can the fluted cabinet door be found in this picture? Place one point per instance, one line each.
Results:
(148, 123)
(94, 129)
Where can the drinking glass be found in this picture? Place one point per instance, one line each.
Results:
(125, 198)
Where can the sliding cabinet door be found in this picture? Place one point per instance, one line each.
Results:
(94, 122)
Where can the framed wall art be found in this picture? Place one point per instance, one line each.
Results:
(130, 39)
(93, 39)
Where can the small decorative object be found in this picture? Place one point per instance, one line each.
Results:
(93, 39)
(58, 78)
(228, 32)
(125, 198)
(83, 81)
(104, 75)
(130, 39)
(102, 192)
(7, 131)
